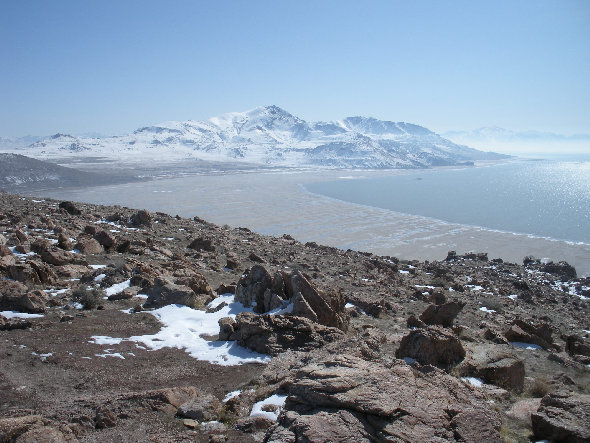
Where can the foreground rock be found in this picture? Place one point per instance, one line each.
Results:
(346, 398)
(563, 416)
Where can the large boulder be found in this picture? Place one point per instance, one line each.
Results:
(432, 346)
(442, 314)
(141, 218)
(503, 370)
(202, 244)
(59, 257)
(106, 239)
(15, 296)
(163, 293)
(70, 208)
(346, 398)
(273, 334)
(578, 347)
(327, 307)
(34, 428)
(88, 245)
(563, 416)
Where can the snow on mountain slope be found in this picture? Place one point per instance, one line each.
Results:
(270, 136)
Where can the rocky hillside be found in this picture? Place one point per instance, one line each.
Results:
(19, 173)
(272, 136)
(123, 325)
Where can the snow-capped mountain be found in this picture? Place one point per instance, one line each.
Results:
(271, 136)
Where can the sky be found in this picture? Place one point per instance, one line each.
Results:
(110, 67)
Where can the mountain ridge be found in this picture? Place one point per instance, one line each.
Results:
(272, 136)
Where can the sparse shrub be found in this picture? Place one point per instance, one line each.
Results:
(88, 298)
(540, 388)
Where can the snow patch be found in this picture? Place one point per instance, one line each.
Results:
(16, 314)
(276, 400)
(529, 346)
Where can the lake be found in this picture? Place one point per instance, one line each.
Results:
(542, 198)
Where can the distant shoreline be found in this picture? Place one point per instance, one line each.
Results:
(276, 203)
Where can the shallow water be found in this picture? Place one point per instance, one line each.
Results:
(543, 198)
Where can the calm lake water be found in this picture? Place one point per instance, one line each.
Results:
(541, 198)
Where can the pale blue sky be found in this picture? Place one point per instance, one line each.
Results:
(112, 66)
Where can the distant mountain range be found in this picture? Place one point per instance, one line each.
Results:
(273, 137)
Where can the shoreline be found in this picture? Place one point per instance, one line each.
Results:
(276, 203)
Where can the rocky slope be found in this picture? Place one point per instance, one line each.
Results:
(147, 327)
(271, 136)
(24, 174)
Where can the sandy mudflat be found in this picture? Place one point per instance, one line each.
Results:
(277, 203)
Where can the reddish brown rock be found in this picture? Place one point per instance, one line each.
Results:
(563, 416)
(345, 398)
(442, 314)
(88, 245)
(106, 239)
(273, 334)
(432, 346)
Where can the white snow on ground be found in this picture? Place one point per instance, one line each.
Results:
(529, 346)
(97, 266)
(105, 340)
(473, 381)
(274, 400)
(16, 314)
(119, 287)
(142, 296)
(474, 287)
(401, 271)
(287, 308)
(484, 309)
(116, 354)
(56, 291)
(99, 277)
(424, 286)
(184, 328)
(231, 395)
(513, 296)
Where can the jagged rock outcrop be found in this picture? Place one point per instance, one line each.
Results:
(264, 292)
